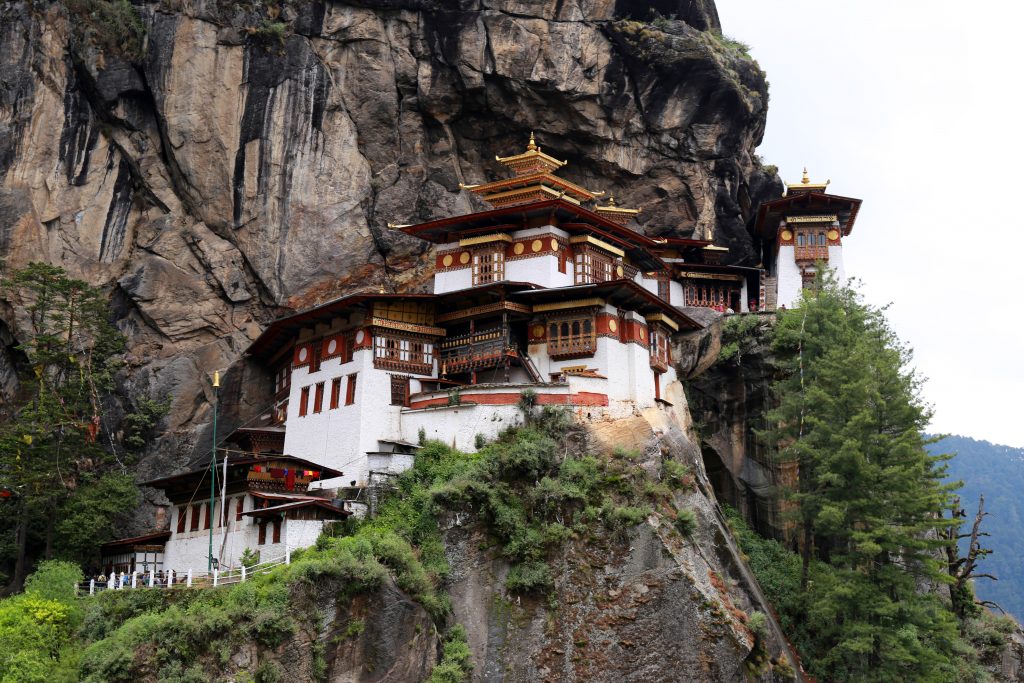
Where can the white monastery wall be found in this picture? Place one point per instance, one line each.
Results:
(675, 293)
(835, 262)
(539, 270)
(458, 425)
(453, 280)
(790, 284)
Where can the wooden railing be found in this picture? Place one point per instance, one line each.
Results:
(811, 253)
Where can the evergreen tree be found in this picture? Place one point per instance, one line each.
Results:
(67, 488)
(868, 496)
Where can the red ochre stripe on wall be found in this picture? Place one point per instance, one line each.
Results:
(582, 398)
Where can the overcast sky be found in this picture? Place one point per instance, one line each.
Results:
(917, 109)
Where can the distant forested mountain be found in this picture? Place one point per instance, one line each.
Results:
(998, 473)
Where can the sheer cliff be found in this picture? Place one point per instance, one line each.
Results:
(216, 164)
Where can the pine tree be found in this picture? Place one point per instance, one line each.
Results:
(66, 486)
(869, 496)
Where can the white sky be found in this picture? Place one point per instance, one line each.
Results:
(916, 108)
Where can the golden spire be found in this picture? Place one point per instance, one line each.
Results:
(805, 184)
(611, 200)
(533, 143)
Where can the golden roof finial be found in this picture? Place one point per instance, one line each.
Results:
(533, 143)
(611, 200)
(806, 179)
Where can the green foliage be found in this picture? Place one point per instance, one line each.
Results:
(250, 558)
(52, 439)
(270, 32)
(479, 441)
(456, 661)
(740, 333)
(997, 472)
(355, 628)
(36, 627)
(138, 425)
(731, 44)
(112, 26)
(686, 522)
(865, 505)
(54, 580)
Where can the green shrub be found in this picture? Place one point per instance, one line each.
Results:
(686, 522)
(456, 660)
(533, 576)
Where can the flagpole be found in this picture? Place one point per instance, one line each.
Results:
(213, 470)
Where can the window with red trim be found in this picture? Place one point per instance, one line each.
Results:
(335, 392)
(182, 513)
(263, 534)
(350, 390)
(318, 398)
(277, 531)
(206, 516)
(304, 402)
(194, 525)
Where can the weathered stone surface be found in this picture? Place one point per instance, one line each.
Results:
(653, 607)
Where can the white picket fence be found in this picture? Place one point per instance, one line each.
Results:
(189, 579)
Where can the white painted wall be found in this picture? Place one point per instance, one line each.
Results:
(453, 280)
(340, 438)
(790, 284)
(459, 425)
(190, 549)
(835, 262)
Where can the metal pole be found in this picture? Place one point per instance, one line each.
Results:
(213, 471)
(223, 510)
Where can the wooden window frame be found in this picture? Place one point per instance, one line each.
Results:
(318, 398)
(591, 266)
(401, 383)
(572, 336)
(304, 402)
(194, 521)
(182, 515)
(350, 389)
(335, 392)
(206, 516)
(262, 539)
(488, 265)
(276, 538)
(404, 353)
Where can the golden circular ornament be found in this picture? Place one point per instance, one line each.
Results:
(613, 326)
(447, 260)
(359, 337)
(537, 246)
(464, 258)
(519, 248)
(786, 235)
(554, 245)
(619, 271)
(538, 331)
(643, 333)
(833, 235)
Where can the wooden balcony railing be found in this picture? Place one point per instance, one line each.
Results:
(811, 253)
(572, 347)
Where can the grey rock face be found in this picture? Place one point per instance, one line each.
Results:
(230, 173)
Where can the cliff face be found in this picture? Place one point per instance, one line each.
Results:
(216, 164)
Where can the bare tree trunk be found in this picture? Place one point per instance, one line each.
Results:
(21, 540)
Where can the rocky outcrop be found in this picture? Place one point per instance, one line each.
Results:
(216, 164)
(654, 606)
(729, 399)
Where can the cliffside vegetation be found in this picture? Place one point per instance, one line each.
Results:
(533, 489)
(62, 468)
(997, 472)
(862, 599)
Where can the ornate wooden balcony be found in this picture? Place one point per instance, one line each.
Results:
(811, 253)
(475, 351)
